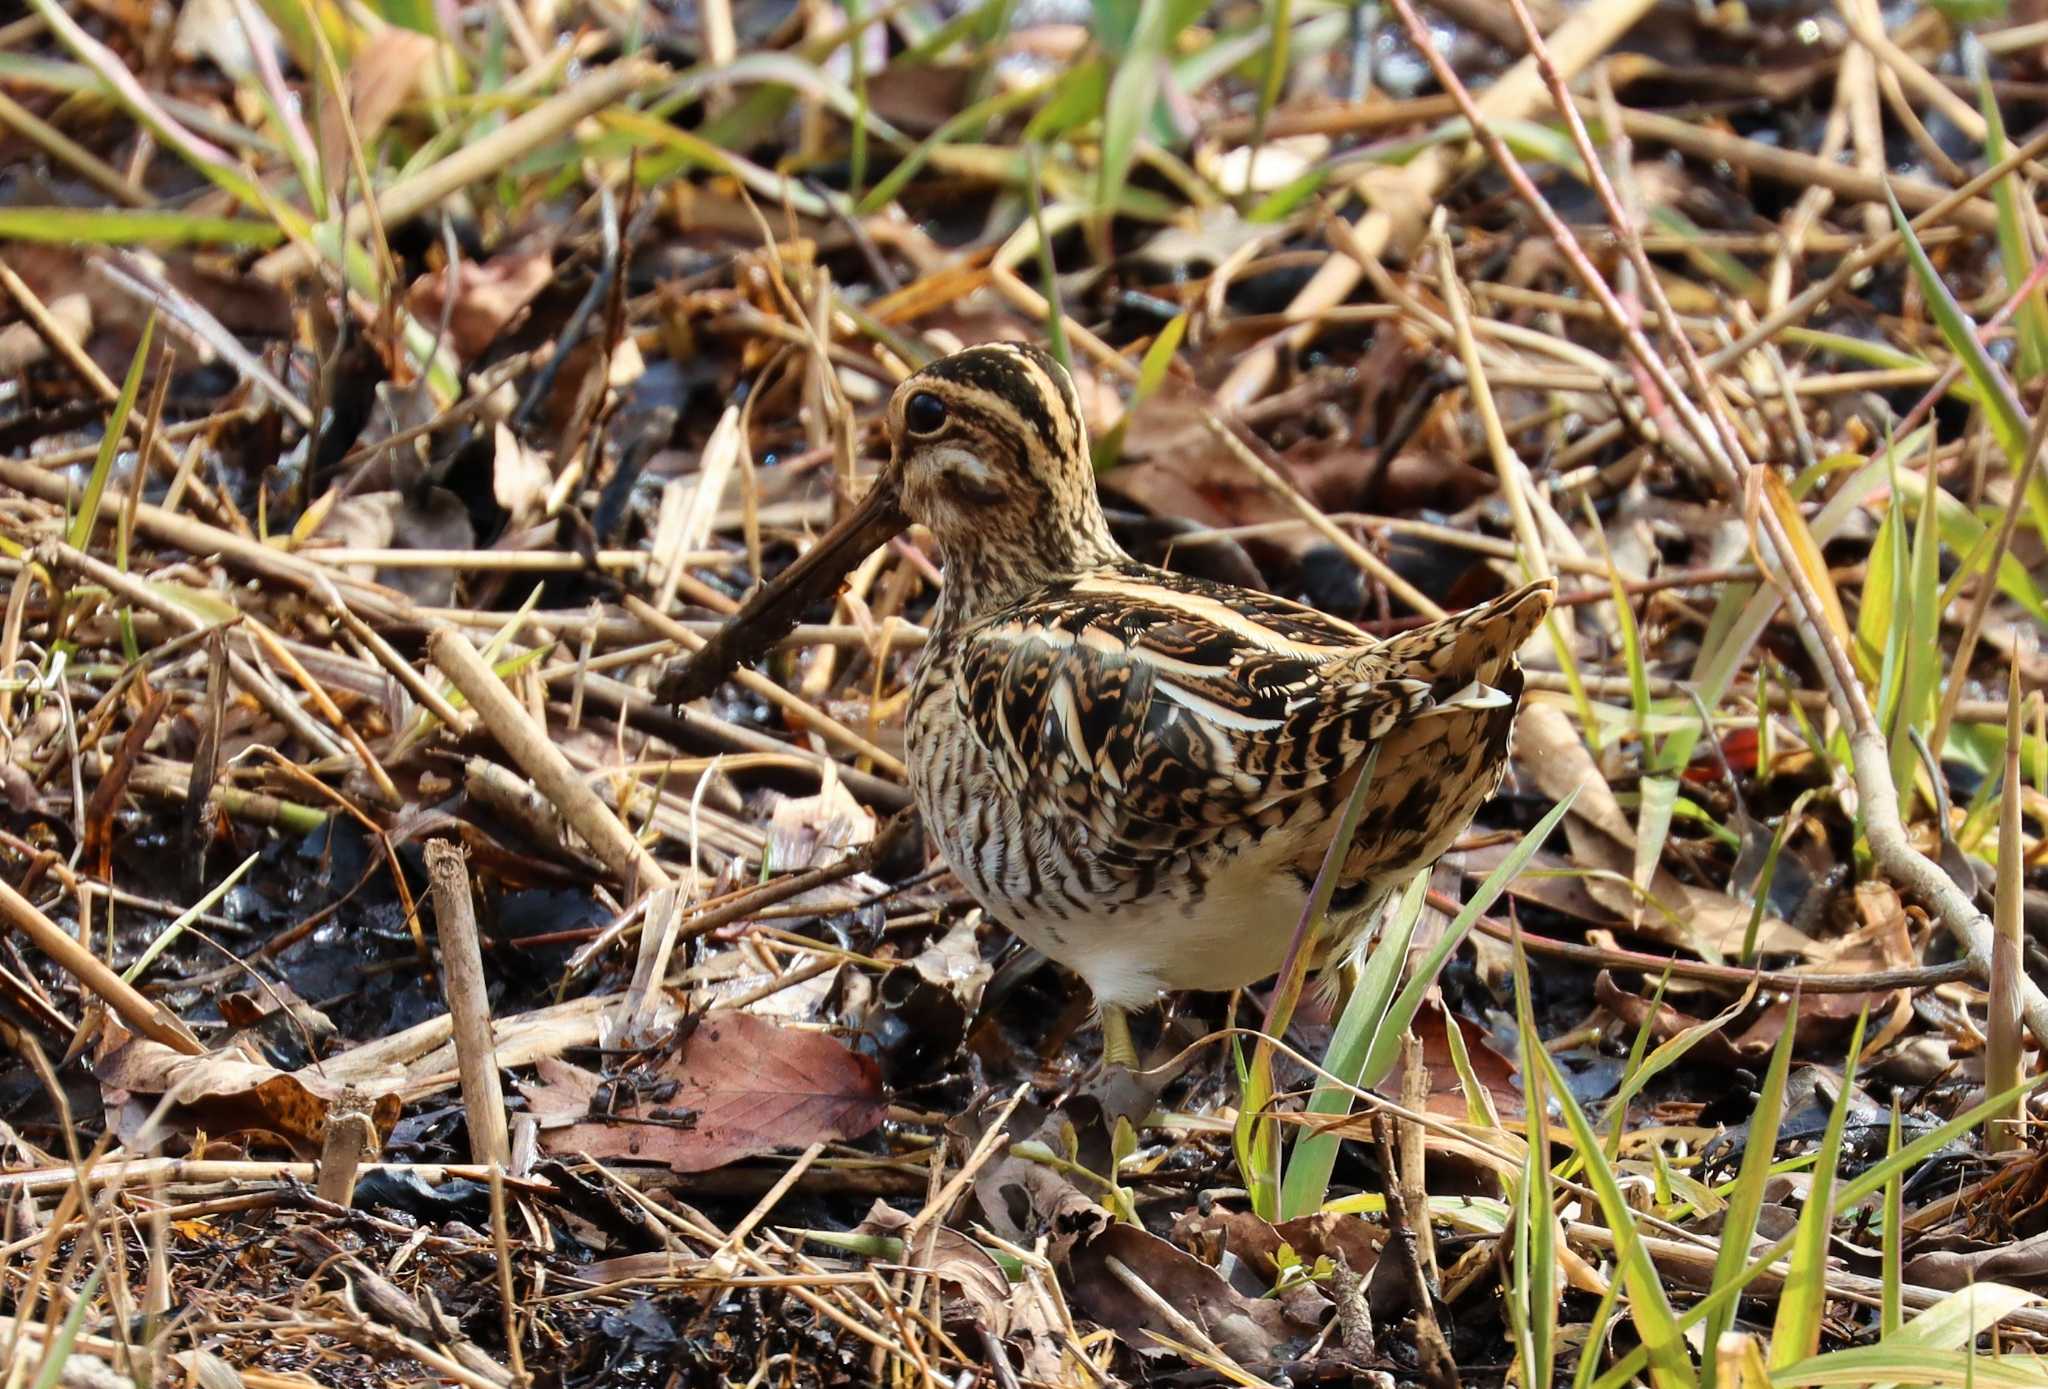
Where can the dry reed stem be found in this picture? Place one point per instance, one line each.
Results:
(887, 763)
(152, 1020)
(530, 745)
(469, 1005)
(72, 353)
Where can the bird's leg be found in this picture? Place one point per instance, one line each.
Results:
(1117, 1047)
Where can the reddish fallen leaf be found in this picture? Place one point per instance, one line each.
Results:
(2023, 1263)
(1739, 748)
(1446, 1087)
(739, 1085)
(1822, 1017)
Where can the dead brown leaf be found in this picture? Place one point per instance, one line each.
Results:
(431, 518)
(807, 831)
(487, 297)
(1709, 923)
(953, 962)
(226, 1094)
(520, 477)
(1107, 1273)
(381, 76)
(983, 1290)
(2020, 1263)
(1446, 1088)
(739, 1085)
(1258, 1241)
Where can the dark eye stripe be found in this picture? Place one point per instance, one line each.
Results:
(1005, 373)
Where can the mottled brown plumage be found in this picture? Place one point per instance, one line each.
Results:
(1136, 771)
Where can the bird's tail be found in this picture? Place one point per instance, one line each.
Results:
(1477, 644)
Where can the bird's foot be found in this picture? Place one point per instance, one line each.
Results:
(1117, 1047)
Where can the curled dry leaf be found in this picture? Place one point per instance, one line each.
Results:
(520, 476)
(807, 831)
(953, 962)
(1257, 1241)
(1022, 1200)
(213, 30)
(2023, 1262)
(1124, 1278)
(430, 518)
(253, 1007)
(224, 1093)
(488, 297)
(982, 1291)
(738, 1085)
(730, 974)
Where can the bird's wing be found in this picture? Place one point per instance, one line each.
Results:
(1159, 709)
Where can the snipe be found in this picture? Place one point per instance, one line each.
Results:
(1135, 771)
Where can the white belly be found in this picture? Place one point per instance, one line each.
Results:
(1130, 952)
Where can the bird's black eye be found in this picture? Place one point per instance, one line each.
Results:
(924, 413)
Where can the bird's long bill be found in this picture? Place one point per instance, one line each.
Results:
(776, 606)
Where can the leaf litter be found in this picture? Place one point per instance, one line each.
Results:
(337, 531)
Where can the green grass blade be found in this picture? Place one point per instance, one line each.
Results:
(1748, 611)
(1076, 99)
(2015, 253)
(1307, 1182)
(1917, 1365)
(1617, 1107)
(857, 156)
(1532, 1289)
(1963, 531)
(1877, 623)
(1279, 23)
(1128, 105)
(954, 128)
(128, 226)
(1596, 1336)
(1379, 1061)
(1659, 799)
(1920, 683)
(1962, 1316)
(1670, 1363)
(80, 534)
(1802, 1302)
(1151, 375)
(1667, 1054)
(58, 1350)
(1535, 1196)
(1727, 1292)
(1055, 312)
(2009, 423)
(1746, 1198)
(1760, 900)
(1893, 1314)
(1262, 1178)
